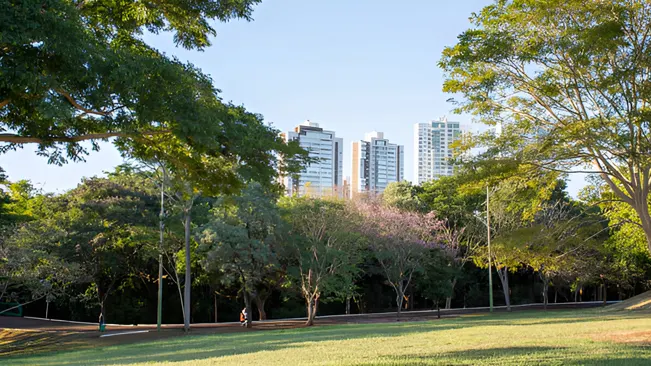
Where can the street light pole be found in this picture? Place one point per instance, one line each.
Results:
(490, 260)
(159, 315)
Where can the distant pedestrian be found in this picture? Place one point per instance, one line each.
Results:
(244, 319)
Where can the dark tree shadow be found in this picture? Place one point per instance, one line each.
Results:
(202, 346)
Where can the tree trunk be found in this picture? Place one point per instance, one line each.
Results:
(102, 313)
(605, 294)
(188, 275)
(448, 300)
(247, 305)
(215, 305)
(312, 303)
(545, 290)
(503, 274)
(641, 206)
(310, 316)
(259, 303)
(438, 310)
(399, 298)
(555, 294)
(347, 305)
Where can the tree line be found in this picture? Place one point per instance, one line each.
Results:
(96, 248)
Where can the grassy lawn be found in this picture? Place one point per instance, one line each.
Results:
(586, 337)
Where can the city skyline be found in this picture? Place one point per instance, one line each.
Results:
(289, 64)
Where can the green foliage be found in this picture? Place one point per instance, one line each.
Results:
(434, 282)
(321, 248)
(402, 195)
(102, 227)
(566, 82)
(239, 238)
(77, 71)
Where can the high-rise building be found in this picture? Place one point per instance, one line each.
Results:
(432, 150)
(323, 176)
(375, 163)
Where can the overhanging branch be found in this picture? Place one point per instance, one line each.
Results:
(18, 139)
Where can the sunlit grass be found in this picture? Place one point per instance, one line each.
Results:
(587, 337)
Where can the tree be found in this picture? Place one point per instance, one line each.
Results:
(239, 240)
(321, 248)
(566, 80)
(76, 71)
(451, 201)
(399, 240)
(104, 226)
(433, 281)
(402, 195)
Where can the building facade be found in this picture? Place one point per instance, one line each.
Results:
(324, 177)
(375, 163)
(432, 149)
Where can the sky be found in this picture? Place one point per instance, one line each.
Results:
(353, 66)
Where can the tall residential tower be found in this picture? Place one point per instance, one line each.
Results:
(432, 151)
(324, 177)
(375, 163)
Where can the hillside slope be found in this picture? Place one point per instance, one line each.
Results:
(639, 302)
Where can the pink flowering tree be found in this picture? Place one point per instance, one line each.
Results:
(399, 239)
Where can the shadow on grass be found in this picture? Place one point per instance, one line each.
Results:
(194, 347)
(520, 356)
(202, 346)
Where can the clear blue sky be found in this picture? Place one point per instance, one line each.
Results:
(353, 66)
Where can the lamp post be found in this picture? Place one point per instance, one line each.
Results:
(159, 312)
(490, 256)
(487, 223)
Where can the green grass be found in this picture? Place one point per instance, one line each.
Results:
(565, 338)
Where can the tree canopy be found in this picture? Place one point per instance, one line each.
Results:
(568, 82)
(74, 71)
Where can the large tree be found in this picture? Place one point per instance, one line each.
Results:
(568, 82)
(73, 71)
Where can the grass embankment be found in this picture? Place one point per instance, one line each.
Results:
(586, 337)
(639, 302)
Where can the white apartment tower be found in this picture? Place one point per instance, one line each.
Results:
(375, 163)
(324, 177)
(432, 151)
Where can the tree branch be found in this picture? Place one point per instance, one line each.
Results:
(79, 106)
(4, 102)
(18, 139)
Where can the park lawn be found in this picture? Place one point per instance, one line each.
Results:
(562, 337)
